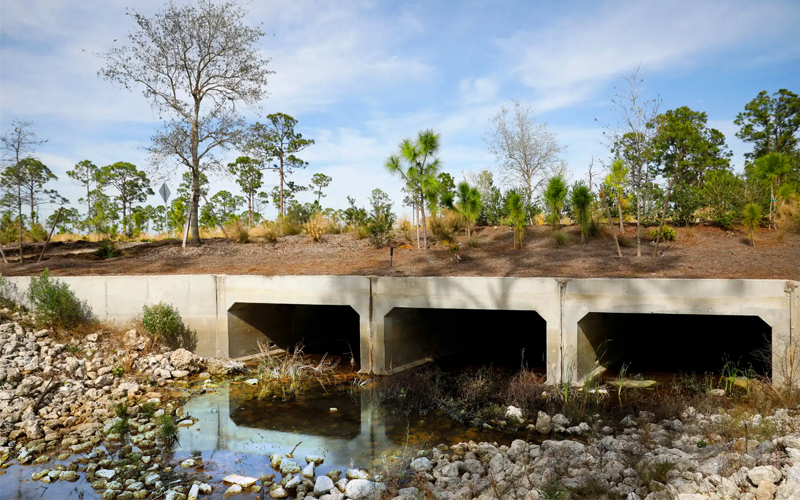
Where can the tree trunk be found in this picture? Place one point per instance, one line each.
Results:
(619, 210)
(771, 203)
(663, 215)
(611, 223)
(195, 145)
(638, 218)
(583, 226)
(250, 210)
(424, 226)
(19, 210)
(281, 172)
(416, 225)
(88, 209)
(753, 235)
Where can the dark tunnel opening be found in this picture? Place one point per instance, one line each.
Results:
(457, 338)
(672, 343)
(321, 329)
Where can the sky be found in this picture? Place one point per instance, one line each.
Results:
(359, 76)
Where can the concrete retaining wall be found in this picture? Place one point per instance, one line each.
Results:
(206, 302)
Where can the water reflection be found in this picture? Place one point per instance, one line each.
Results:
(359, 432)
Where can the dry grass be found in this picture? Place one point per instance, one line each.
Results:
(289, 372)
(788, 215)
(315, 228)
(268, 230)
(238, 231)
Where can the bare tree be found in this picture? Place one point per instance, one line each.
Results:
(193, 63)
(527, 152)
(631, 137)
(18, 143)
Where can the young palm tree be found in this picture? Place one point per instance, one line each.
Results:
(516, 212)
(581, 200)
(617, 178)
(419, 172)
(554, 196)
(752, 218)
(469, 204)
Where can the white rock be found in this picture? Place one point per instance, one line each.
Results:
(514, 413)
(323, 485)
(421, 464)
(290, 467)
(361, 488)
(193, 492)
(356, 474)
(278, 493)
(764, 474)
(233, 490)
(308, 471)
(105, 473)
(251, 381)
(275, 460)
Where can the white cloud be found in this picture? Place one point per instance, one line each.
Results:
(567, 61)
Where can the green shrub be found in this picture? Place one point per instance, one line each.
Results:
(107, 250)
(148, 409)
(163, 322)
(118, 371)
(667, 234)
(726, 220)
(380, 222)
(169, 430)
(54, 304)
(560, 237)
(593, 227)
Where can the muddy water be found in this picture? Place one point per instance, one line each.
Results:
(236, 432)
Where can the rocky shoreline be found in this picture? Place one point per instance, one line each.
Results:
(99, 407)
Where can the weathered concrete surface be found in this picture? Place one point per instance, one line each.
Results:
(222, 309)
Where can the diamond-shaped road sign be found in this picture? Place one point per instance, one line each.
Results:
(164, 192)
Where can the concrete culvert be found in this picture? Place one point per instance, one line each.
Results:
(672, 343)
(465, 337)
(322, 329)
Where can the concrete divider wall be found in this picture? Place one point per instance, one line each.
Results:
(205, 302)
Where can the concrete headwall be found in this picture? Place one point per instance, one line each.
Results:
(216, 307)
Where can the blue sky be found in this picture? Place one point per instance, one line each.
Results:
(360, 76)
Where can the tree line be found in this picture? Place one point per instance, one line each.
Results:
(198, 65)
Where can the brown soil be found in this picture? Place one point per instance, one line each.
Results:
(699, 252)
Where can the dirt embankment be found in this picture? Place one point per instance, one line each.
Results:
(699, 252)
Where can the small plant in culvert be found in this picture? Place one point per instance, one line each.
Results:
(54, 304)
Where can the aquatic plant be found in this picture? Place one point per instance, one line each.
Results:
(169, 429)
(289, 371)
(148, 409)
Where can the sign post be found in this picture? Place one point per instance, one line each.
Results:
(165, 192)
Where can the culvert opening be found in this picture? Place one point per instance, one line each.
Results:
(456, 338)
(321, 329)
(672, 343)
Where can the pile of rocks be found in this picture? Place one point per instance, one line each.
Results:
(652, 461)
(62, 397)
(301, 482)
